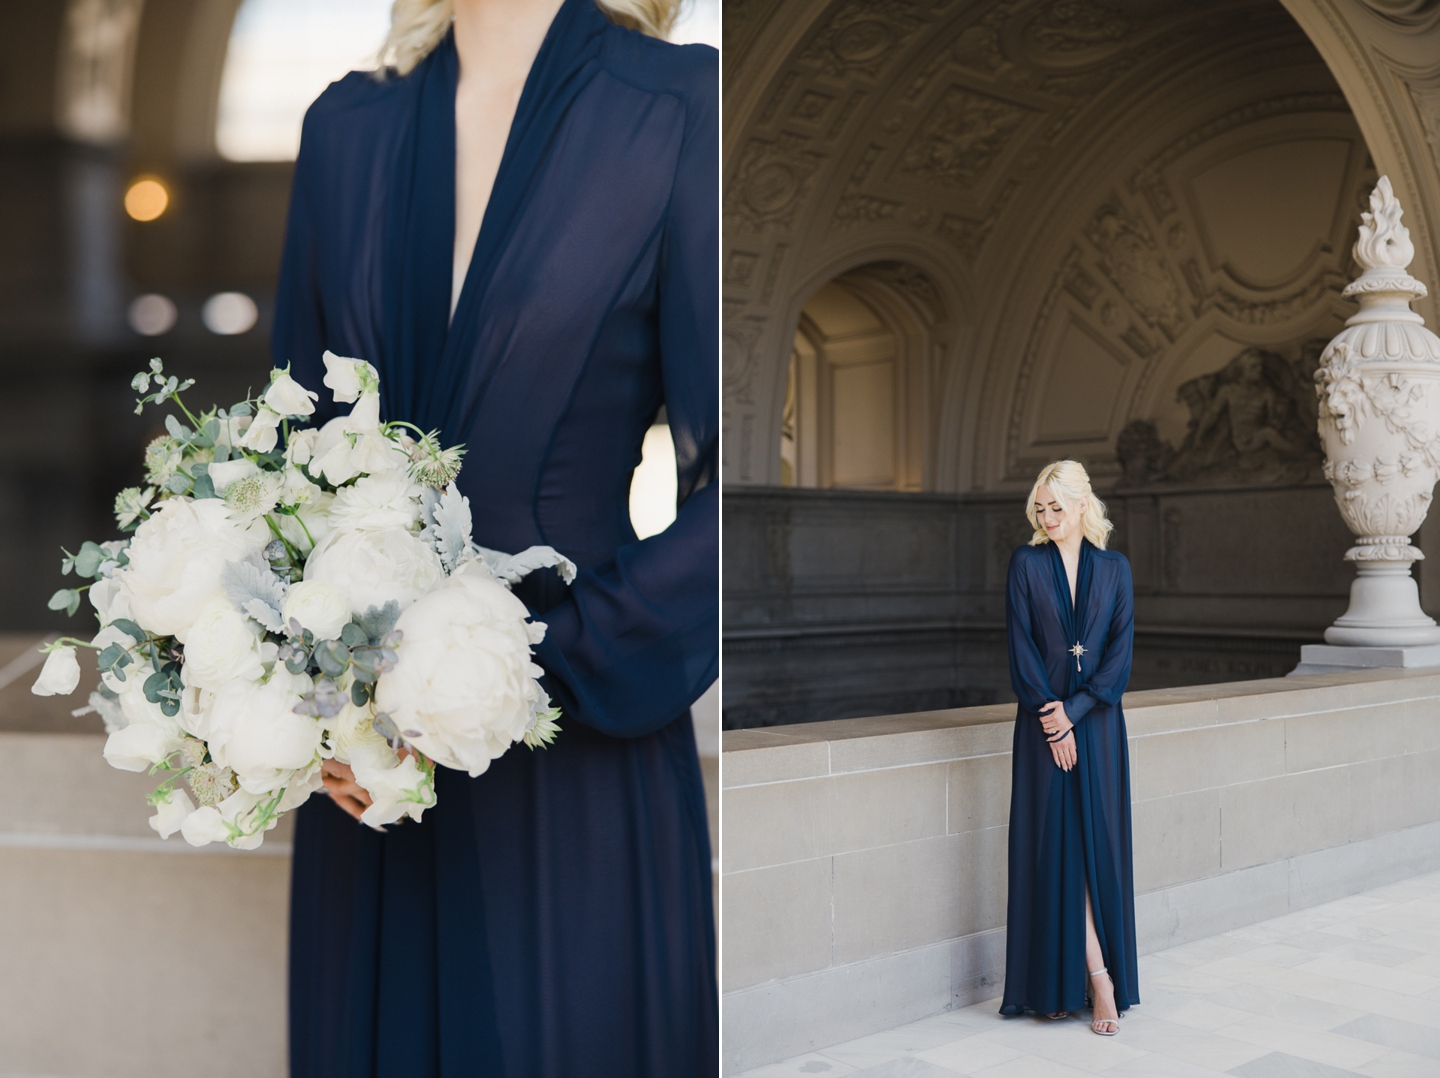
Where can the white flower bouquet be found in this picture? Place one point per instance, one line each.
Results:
(287, 597)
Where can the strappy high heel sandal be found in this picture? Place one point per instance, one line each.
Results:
(1097, 1023)
(1058, 1015)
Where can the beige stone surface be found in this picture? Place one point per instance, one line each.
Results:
(785, 927)
(127, 965)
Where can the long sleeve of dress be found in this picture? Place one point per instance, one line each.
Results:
(1107, 683)
(1027, 666)
(636, 640)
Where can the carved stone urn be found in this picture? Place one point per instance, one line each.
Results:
(1379, 388)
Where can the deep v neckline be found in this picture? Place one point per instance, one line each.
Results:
(1070, 607)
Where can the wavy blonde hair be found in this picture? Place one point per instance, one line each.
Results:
(417, 26)
(1069, 483)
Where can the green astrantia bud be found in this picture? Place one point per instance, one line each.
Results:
(130, 505)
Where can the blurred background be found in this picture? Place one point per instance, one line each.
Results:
(146, 152)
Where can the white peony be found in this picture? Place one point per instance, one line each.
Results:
(402, 789)
(388, 500)
(221, 646)
(375, 565)
(287, 396)
(176, 559)
(349, 377)
(59, 675)
(170, 813)
(322, 608)
(255, 731)
(464, 689)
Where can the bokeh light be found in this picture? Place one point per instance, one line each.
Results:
(229, 313)
(153, 314)
(146, 199)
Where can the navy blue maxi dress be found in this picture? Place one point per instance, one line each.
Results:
(1067, 828)
(552, 917)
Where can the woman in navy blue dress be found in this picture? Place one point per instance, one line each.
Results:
(552, 917)
(1070, 614)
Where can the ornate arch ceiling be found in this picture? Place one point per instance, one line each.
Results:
(996, 145)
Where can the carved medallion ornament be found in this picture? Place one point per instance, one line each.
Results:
(1378, 385)
(1136, 266)
(769, 181)
(862, 35)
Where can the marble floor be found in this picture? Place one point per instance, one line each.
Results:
(1344, 989)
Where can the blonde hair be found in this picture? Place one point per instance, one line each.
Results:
(1069, 483)
(417, 26)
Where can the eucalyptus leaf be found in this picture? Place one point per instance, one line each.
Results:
(353, 636)
(87, 562)
(178, 430)
(129, 628)
(62, 599)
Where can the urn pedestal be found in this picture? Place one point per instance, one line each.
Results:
(1379, 416)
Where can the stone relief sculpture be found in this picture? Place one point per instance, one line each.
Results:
(1252, 421)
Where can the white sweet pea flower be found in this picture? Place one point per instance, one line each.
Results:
(401, 790)
(215, 823)
(464, 689)
(263, 433)
(142, 745)
(318, 606)
(348, 377)
(375, 565)
(227, 473)
(108, 597)
(296, 488)
(314, 515)
(222, 646)
(330, 459)
(302, 785)
(388, 500)
(176, 560)
(170, 813)
(287, 396)
(59, 675)
(365, 416)
(301, 446)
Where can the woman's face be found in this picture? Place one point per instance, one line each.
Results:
(1058, 522)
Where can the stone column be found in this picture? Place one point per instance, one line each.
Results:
(1379, 389)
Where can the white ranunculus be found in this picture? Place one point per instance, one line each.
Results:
(388, 500)
(357, 742)
(322, 608)
(59, 675)
(402, 789)
(227, 473)
(287, 396)
(170, 813)
(176, 560)
(263, 432)
(266, 739)
(375, 565)
(348, 377)
(464, 689)
(222, 646)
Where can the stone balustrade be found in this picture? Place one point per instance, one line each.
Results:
(864, 865)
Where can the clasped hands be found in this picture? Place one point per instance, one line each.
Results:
(1057, 727)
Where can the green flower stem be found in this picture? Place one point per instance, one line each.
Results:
(290, 548)
(67, 642)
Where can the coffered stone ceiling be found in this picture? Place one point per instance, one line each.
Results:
(1091, 203)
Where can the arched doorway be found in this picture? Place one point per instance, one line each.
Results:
(857, 389)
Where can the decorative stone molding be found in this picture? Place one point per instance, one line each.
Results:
(1378, 385)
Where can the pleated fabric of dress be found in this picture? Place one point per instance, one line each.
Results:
(551, 918)
(1069, 828)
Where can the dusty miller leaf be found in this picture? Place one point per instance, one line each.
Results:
(447, 527)
(255, 590)
(510, 568)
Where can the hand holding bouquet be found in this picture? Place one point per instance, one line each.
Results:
(289, 597)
